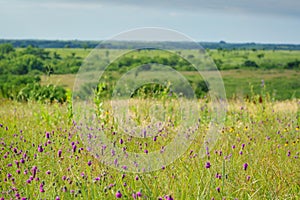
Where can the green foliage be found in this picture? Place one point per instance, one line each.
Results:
(36, 92)
(250, 63)
(6, 48)
(293, 65)
(10, 85)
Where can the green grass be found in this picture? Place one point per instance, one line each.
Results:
(280, 84)
(269, 131)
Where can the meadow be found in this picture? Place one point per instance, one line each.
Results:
(256, 156)
(44, 152)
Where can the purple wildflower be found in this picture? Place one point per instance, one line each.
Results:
(245, 166)
(139, 194)
(59, 152)
(118, 194)
(207, 165)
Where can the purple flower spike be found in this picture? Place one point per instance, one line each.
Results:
(134, 196)
(118, 194)
(59, 152)
(74, 148)
(40, 149)
(245, 166)
(208, 165)
(139, 194)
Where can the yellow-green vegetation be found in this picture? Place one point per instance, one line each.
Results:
(280, 84)
(256, 155)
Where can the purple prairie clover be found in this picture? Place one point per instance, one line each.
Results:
(139, 194)
(42, 189)
(243, 146)
(133, 195)
(245, 166)
(155, 138)
(48, 172)
(218, 176)
(89, 163)
(289, 153)
(59, 152)
(248, 178)
(74, 148)
(207, 165)
(168, 197)
(146, 151)
(9, 175)
(47, 135)
(121, 141)
(137, 178)
(57, 198)
(40, 149)
(218, 189)
(118, 194)
(233, 146)
(33, 171)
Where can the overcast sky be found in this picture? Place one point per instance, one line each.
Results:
(266, 21)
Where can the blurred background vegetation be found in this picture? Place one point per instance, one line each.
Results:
(45, 74)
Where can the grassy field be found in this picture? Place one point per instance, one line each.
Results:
(44, 152)
(256, 156)
(280, 84)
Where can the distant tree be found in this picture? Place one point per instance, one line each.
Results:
(56, 55)
(293, 65)
(85, 45)
(250, 63)
(6, 48)
(261, 55)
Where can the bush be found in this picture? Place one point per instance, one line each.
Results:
(293, 65)
(36, 92)
(250, 63)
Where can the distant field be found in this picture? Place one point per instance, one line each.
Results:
(283, 84)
